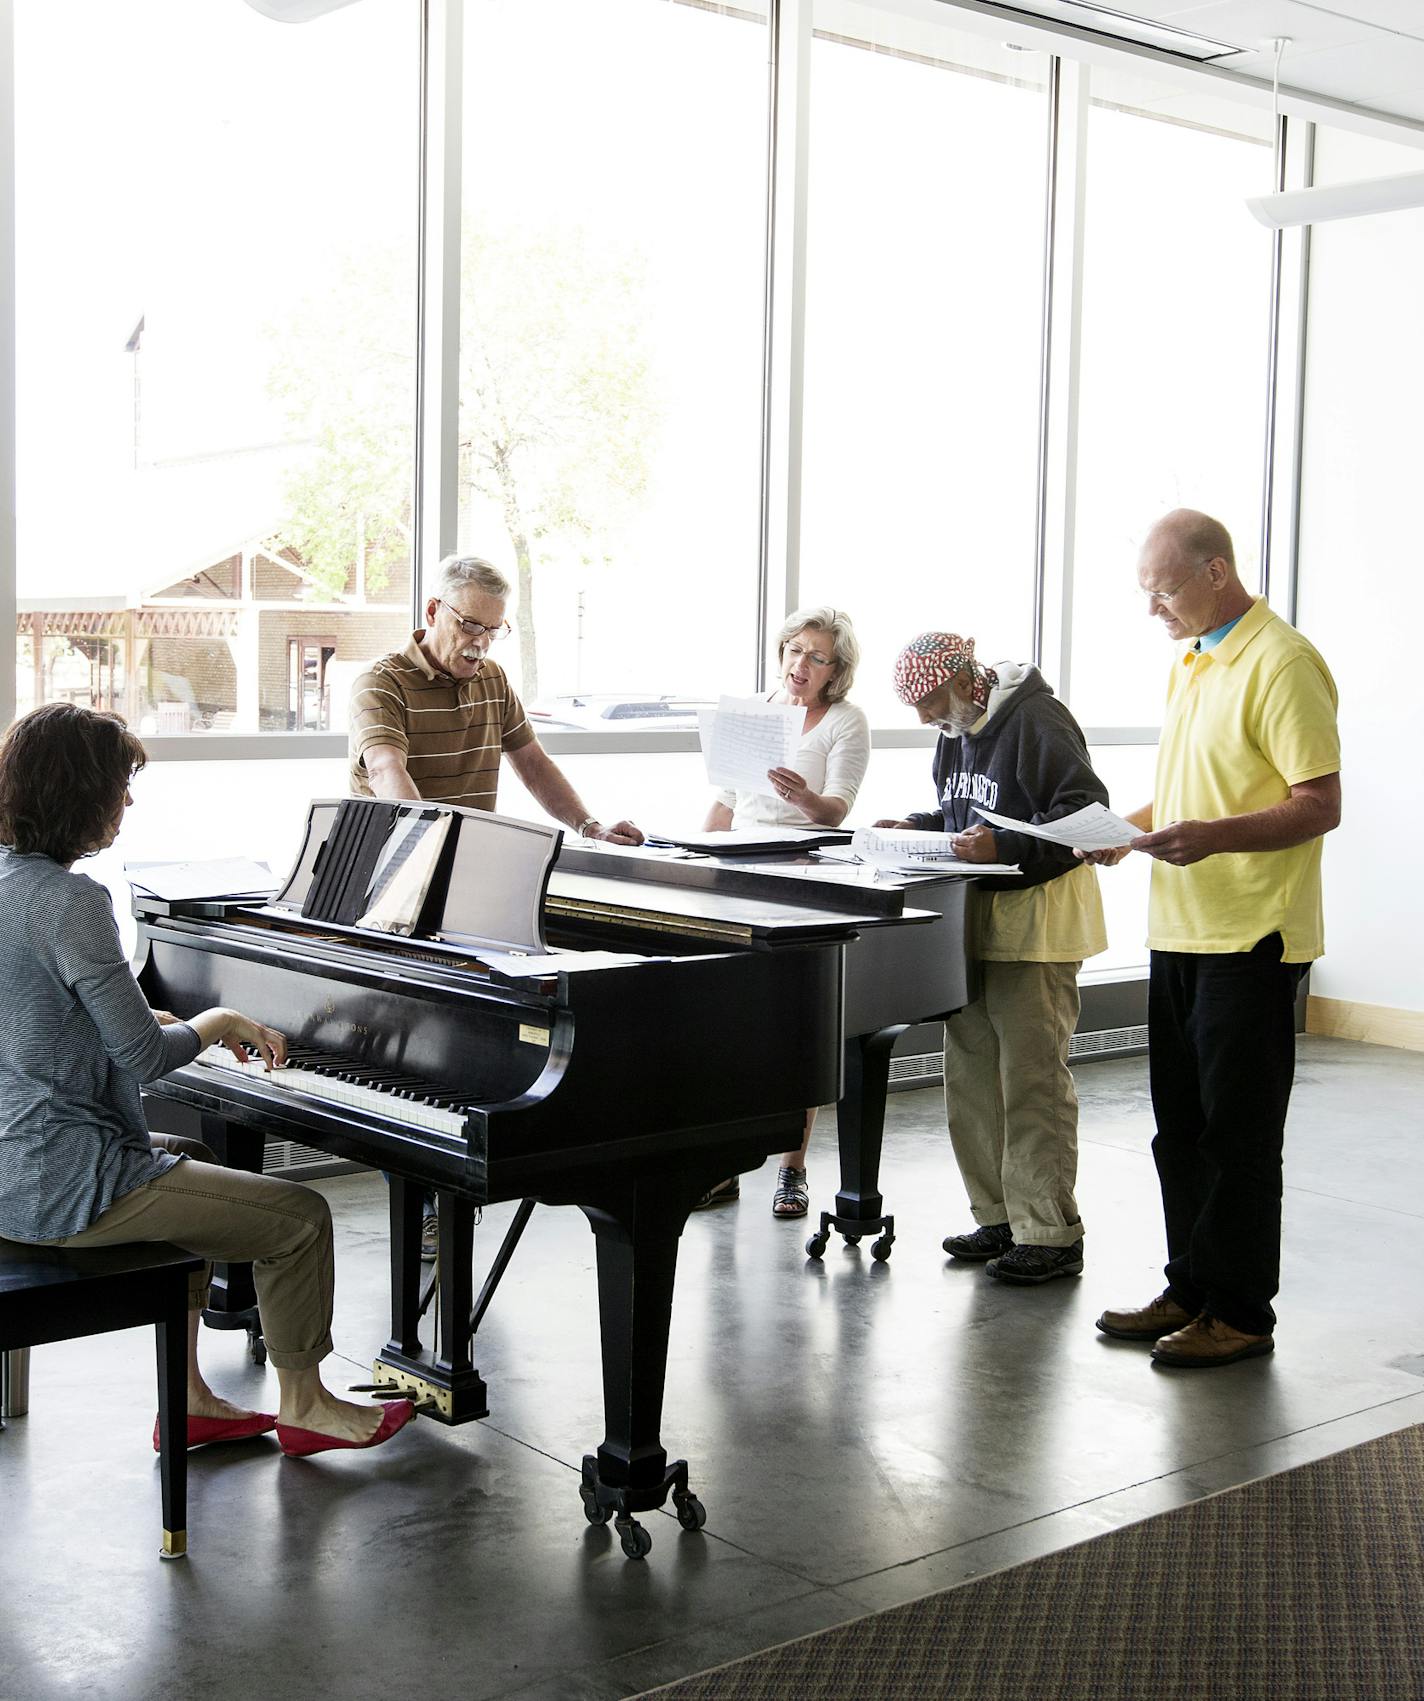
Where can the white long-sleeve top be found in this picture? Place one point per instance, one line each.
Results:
(831, 758)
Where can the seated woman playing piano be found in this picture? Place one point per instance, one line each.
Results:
(817, 654)
(77, 1040)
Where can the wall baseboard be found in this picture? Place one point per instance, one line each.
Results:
(1377, 1024)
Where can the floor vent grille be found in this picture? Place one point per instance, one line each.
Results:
(926, 1068)
(302, 1163)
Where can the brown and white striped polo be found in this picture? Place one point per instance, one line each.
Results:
(452, 731)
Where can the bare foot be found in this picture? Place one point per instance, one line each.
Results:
(320, 1410)
(204, 1403)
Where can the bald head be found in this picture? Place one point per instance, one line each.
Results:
(1185, 536)
(1187, 571)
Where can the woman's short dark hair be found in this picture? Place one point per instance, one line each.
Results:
(63, 774)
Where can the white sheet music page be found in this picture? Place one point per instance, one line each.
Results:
(1092, 828)
(903, 850)
(743, 737)
(216, 877)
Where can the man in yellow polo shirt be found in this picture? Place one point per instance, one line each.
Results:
(1248, 782)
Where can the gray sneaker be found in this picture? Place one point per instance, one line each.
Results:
(1037, 1263)
(985, 1242)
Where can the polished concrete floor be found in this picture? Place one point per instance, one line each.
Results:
(861, 1434)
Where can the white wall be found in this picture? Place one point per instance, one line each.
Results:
(1362, 573)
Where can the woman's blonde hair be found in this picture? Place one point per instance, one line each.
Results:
(845, 647)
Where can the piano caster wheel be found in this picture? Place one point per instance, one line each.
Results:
(851, 1239)
(637, 1543)
(258, 1348)
(691, 1513)
(595, 1513)
(816, 1246)
(881, 1249)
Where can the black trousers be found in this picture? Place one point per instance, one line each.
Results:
(1221, 1054)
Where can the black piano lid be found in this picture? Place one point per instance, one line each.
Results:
(724, 913)
(793, 882)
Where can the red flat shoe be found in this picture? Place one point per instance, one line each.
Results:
(302, 1443)
(202, 1430)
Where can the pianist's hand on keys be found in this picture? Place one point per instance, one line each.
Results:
(241, 1035)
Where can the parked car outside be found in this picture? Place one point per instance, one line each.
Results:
(615, 712)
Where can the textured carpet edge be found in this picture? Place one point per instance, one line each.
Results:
(1188, 1506)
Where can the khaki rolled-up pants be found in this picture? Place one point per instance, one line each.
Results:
(231, 1215)
(1011, 1102)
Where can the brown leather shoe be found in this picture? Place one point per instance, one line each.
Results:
(1207, 1342)
(1148, 1322)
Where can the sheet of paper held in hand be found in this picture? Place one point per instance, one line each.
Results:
(743, 737)
(901, 850)
(1093, 828)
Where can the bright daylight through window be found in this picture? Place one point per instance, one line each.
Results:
(203, 197)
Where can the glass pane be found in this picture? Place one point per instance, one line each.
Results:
(1176, 288)
(611, 345)
(191, 809)
(923, 309)
(202, 195)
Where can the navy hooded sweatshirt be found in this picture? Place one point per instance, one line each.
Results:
(1027, 759)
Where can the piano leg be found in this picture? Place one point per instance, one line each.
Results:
(860, 1124)
(637, 1238)
(232, 1296)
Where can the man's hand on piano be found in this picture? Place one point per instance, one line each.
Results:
(620, 833)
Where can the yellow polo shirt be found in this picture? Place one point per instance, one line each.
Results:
(1244, 723)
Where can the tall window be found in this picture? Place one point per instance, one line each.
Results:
(1172, 387)
(611, 344)
(924, 302)
(215, 231)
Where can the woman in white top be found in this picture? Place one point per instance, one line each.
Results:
(817, 654)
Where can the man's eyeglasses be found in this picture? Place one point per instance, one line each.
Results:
(1170, 595)
(476, 628)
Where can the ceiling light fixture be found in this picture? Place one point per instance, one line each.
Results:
(1291, 207)
(1099, 20)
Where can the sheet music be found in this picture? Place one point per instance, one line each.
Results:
(1092, 828)
(743, 737)
(402, 877)
(902, 850)
(218, 877)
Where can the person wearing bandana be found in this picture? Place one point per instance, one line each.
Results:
(1008, 744)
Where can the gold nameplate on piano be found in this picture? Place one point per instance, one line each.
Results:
(394, 1378)
(659, 921)
(533, 1036)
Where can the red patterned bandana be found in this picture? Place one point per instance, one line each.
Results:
(932, 660)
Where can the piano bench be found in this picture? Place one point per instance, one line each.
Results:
(51, 1293)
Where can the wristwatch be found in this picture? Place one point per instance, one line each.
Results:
(585, 824)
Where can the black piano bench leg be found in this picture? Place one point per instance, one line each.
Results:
(601, 1502)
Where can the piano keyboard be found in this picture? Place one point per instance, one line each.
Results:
(344, 1081)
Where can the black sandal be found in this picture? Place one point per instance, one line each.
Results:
(724, 1193)
(792, 1197)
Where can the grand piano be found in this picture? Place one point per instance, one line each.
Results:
(513, 1032)
(897, 976)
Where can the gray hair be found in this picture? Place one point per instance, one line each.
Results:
(457, 572)
(845, 647)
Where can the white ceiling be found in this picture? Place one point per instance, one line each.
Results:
(1361, 57)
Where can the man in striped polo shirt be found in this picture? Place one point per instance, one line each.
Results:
(433, 720)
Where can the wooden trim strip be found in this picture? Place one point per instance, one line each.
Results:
(1376, 1024)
